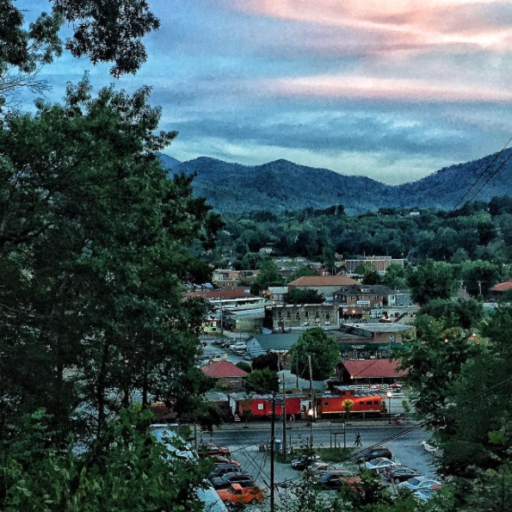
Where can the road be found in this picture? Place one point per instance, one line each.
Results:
(407, 448)
(244, 444)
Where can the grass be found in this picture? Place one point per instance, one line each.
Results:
(333, 455)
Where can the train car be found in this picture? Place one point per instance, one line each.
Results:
(360, 402)
(260, 406)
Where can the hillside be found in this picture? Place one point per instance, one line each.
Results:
(283, 185)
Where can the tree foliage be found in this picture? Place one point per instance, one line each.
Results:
(299, 296)
(262, 381)
(324, 352)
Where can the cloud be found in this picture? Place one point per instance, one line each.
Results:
(398, 24)
(393, 89)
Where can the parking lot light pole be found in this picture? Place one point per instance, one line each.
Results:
(310, 414)
(389, 395)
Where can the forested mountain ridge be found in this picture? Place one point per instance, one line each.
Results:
(283, 185)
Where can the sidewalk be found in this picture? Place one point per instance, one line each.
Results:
(318, 424)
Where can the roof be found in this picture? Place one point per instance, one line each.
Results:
(222, 369)
(323, 281)
(234, 293)
(502, 287)
(278, 289)
(373, 368)
(383, 327)
(276, 341)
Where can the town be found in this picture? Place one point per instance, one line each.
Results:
(255, 256)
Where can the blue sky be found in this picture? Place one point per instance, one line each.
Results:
(390, 89)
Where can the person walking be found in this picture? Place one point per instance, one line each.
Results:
(358, 440)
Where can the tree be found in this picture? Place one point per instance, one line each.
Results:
(369, 275)
(135, 471)
(395, 277)
(454, 313)
(246, 367)
(104, 32)
(432, 280)
(298, 296)
(303, 271)
(269, 360)
(324, 352)
(269, 276)
(262, 381)
(92, 229)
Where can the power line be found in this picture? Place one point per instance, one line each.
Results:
(482, 175)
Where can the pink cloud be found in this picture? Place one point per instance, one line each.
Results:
(404, 22)
(360, 87)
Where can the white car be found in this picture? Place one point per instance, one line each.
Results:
(380, 463)
(419, 482)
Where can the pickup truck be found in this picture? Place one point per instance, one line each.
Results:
(238, 494)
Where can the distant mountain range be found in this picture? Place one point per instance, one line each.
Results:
(283, 185)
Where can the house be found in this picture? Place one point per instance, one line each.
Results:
(501, 288)
(225, 373)
(287, 316)
(370, 371)
(378, 263)
(362, 296)
(262, 343)
(276, 293)
(326, 285)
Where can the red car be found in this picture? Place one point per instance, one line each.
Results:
(208, 450)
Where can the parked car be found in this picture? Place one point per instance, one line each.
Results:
(379, 464)
(223, 469)
(424, 495)
(220, 459)
(210, 449)
(336, 480)
(224, 481)
(238, 494)
(219, 341)
(399, 474)
(372, 453)
(304, 462)
(419, 482)
(321, 467)
(248, 357)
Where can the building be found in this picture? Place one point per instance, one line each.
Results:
(326, 285)
(370, 371)
(244, 320)
(276, 294)
(279, 343)
(400, 299)
(226, 374)
(288, 316)
(227, 279)
(237, 298)
(379, 263)
(501, 288)
(363, 297)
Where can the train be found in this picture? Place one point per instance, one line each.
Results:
(340, 401)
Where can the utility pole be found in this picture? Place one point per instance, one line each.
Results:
(480, 286)
(221, 321)
(284, 421)
(312, 396)
(272, 442)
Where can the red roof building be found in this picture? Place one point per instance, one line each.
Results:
(327, 285)
(502, 287)
(370, 371)
(226, 373)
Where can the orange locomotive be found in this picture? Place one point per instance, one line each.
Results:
(344, 400)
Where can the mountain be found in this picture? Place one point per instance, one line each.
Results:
(283, 185)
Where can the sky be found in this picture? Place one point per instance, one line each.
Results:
(389, 89)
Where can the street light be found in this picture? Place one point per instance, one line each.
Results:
(311, 413)
(389, 395)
